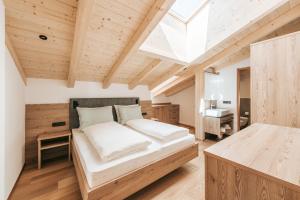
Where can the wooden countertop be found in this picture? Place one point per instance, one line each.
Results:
(46, 136)
(267, 149)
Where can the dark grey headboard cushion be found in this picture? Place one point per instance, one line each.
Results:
(96, 102)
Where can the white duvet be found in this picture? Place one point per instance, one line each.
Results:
(112, 140)
(162, 131)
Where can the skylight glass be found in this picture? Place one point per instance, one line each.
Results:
(185, 9)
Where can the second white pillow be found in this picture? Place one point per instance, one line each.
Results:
(127, 113)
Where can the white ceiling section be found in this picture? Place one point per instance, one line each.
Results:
(182, 33)
(231, 27)
(168, 39)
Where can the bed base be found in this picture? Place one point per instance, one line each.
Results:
(132, 182)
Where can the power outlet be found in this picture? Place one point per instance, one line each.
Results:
(226, 102)
(57, 124)
(144, 113)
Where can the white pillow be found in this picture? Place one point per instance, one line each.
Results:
(117, 110)
(92, 116)
(112, 140)
(127, 113)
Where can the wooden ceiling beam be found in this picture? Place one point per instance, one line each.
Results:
(15, 58)
(154, 16)
(84, 12)
(180, 87)
(257, 33)
(177, 81)
(175, 69)
(141, 76)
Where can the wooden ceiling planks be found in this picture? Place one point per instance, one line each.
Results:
(163, 68)
(158, 9)
(108, 31)
(26, 20)
(113, 33)
(111, 26)
(144, 73)
(132, 67)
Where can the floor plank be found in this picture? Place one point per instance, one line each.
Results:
(57, 181)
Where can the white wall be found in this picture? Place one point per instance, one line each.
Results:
(224, 87)
(40, 91)
(186, 101)
(2, 97)
(14, 123)
(161, 99)
(220, 87)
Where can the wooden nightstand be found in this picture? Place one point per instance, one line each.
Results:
(53, 140)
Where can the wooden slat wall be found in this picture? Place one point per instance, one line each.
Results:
(147, 107)
(275, 87)
(39, 118)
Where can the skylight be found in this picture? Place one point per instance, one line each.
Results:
(185, 9)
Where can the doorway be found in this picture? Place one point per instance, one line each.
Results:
(243, 98)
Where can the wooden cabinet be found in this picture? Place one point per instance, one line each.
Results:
(249, 167)
(168, 113)
(213, 125)
(275, 81)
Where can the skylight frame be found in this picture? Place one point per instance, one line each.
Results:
(176, 15)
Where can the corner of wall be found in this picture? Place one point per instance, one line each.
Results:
(14, 142)
(2, 98)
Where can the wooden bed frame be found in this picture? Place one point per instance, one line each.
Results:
(133, 181)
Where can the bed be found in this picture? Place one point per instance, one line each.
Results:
(122, 177)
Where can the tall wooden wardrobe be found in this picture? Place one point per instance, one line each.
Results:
(275, 84)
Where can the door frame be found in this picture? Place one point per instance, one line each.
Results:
(239, 70)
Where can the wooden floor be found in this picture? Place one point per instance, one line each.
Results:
(58, 181)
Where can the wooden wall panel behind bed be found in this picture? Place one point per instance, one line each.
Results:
(39, 118)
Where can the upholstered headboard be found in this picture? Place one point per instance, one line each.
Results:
(96, 102)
